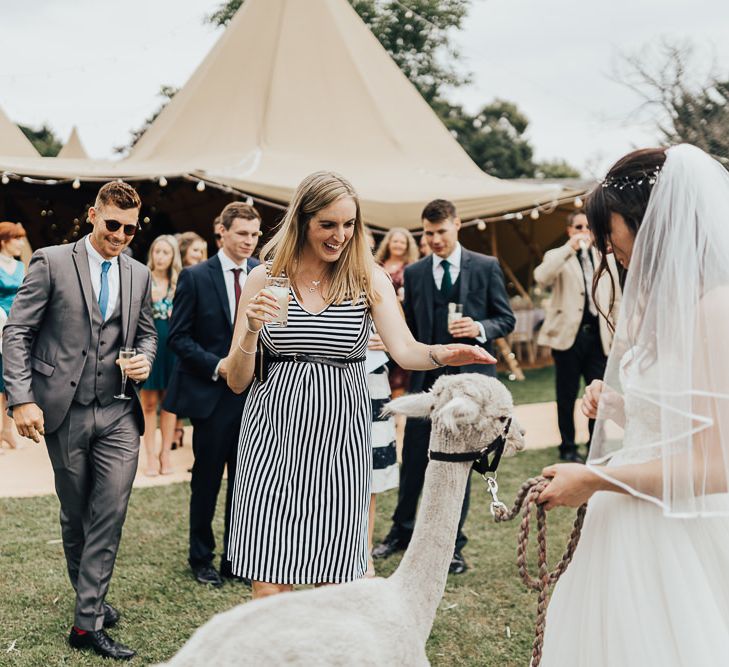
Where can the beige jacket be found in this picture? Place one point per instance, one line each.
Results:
(560, 269)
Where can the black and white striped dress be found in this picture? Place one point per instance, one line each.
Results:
(302, 486)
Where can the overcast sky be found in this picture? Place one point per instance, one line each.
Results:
(553, 59)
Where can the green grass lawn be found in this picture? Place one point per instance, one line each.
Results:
(162, 605)
(538, 387)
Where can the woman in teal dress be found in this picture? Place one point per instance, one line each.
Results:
(165, 265)
(12, 271)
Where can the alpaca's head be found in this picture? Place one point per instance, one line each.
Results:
(469, 409)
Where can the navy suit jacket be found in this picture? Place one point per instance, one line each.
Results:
(200, 333)
(482, 293)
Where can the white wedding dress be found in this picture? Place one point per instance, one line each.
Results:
(643, 589)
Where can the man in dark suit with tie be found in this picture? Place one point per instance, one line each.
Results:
(79, 305)
(451, 275)
(203, 315)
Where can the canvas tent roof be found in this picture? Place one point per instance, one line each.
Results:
(73, 148)
(13, 141)
(294, 87)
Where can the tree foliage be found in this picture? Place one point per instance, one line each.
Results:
(44, 139)
(686, 107)
(493, 137)
(556, 169)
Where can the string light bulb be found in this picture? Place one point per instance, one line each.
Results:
(519, 215)
(162, 182)
(578, 202)
(76, 184)
(249, 200)
(534, 215)
(481, 226)
(6, 179)
(146, 220)
(200, 187)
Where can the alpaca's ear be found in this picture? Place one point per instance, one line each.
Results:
(412, 405)
(458, 409)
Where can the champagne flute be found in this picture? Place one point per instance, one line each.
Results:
(125, 353)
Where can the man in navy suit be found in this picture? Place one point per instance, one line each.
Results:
(201, 330)
(451, 274)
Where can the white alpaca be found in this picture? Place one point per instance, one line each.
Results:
(374, 621)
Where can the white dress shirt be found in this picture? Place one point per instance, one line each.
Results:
(95, 260)
(454, 268)
(454, 259)
(227, 264)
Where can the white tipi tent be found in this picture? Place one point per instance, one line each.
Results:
(293, 87)
(12, 141)
(73, 148)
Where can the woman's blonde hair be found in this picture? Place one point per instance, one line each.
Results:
(351, 275)
(186, 239)
(173, 271)
(383, 250)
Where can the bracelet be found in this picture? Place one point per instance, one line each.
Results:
(240, 347)
(433, 360)
(253, 331)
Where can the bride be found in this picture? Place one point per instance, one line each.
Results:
(649, 583)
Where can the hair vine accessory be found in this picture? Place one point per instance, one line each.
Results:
(631, 181)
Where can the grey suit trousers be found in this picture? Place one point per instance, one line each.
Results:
(94, 455)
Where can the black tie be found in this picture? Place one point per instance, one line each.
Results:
(446, 284)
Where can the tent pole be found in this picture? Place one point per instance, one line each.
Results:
(501, 344)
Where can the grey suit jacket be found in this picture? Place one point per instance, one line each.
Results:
(48, 332)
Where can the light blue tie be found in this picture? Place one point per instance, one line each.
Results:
(104, 291)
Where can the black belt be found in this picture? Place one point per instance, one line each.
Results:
(315, 359)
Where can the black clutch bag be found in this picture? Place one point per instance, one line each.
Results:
(261, 369)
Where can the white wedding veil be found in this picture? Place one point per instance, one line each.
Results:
(662, 431)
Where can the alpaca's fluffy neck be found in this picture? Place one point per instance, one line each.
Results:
(424, 568)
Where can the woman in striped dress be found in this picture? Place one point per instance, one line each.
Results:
(302, 483)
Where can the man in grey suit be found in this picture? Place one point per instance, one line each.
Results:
(78, 305)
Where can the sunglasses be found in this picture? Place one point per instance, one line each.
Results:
(114, 225)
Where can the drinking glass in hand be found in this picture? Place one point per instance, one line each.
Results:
(455, 312)
(125, 353)
(279, 287)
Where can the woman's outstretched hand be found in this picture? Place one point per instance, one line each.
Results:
(571, 485)
(462, 355)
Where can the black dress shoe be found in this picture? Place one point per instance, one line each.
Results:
(99, 642)
(111, 616)
(458, 564)
(388, 546)
(571, 455)
(226, 572)
(207, 574)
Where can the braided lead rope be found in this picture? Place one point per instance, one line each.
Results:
(527, 498)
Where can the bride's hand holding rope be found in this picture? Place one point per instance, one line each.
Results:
(570, 485)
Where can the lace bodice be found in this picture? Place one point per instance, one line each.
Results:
(642, 416)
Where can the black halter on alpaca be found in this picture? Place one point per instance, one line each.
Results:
(480, 458)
